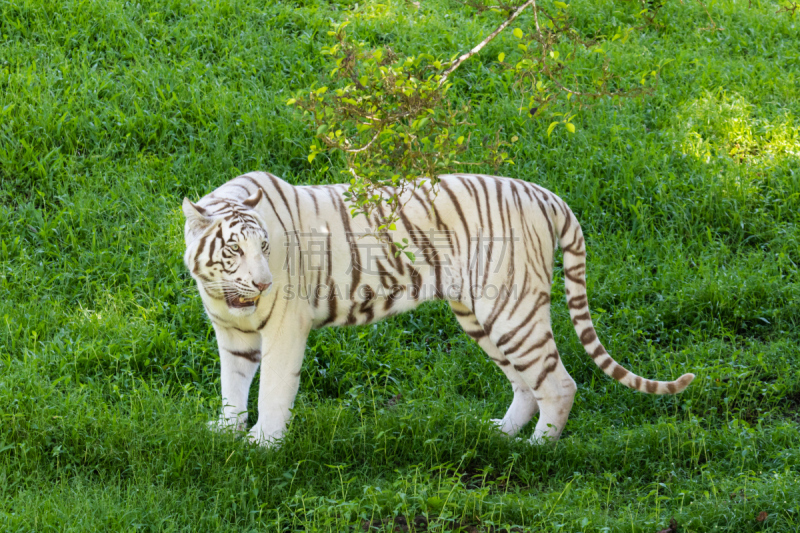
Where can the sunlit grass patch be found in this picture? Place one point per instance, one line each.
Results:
(725, 124)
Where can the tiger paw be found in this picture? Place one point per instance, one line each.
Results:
(264, 437)
(223, 425)
(507, 427)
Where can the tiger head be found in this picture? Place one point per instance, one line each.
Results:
(227, 251)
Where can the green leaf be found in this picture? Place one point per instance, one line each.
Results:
(311, 156)
(561, 5)
(570, 127)
(411, 256)
(501, 56)
(291, 101)
(551, 128)
(517, 33)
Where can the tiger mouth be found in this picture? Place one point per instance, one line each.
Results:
(240, 302)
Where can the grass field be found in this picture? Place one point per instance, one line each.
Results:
(111, 112)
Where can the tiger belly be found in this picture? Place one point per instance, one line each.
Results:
(371, 297)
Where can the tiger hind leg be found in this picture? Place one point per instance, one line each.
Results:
(523, 407)
(525, 339)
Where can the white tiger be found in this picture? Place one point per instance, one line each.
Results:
(272, 261)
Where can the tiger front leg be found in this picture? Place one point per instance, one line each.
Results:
(283, 350)
(239, 354)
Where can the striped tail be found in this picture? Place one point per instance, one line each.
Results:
(571, 241)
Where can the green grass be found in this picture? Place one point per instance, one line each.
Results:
(111, 112)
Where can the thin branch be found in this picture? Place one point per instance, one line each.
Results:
(791, 7)
(486, 41)
(623, 94)
(713, 26)
(366, 146)
(536, 18)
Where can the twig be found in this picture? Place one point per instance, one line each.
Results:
(366, 146)
(713, 26)
(486, 41)
(791, 7)
(536, 18)
(622, 94)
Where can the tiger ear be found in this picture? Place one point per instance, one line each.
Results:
(196, 217)
(254, 199)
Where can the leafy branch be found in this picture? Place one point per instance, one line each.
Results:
(391, 116)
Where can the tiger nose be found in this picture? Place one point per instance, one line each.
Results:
(262, 286)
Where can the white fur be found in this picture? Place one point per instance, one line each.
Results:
(513, 329)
